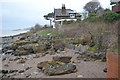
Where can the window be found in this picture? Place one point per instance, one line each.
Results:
(72, 15)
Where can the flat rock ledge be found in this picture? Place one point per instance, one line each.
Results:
(65, 59)
(56, 68)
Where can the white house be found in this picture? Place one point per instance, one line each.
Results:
(64, 14)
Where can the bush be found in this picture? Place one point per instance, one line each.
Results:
(92, 17)
(37, 27)
(68, 22)
(110, 16)
(78, 19)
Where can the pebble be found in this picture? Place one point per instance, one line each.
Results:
(3, 59)
(28, 68)
(28, 75)
(6, 65)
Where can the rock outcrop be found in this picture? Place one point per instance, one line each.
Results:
(56, 68)
(65, 59)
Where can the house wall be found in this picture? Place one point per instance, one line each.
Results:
(116, 8)
(59, 23)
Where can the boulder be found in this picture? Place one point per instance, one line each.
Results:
(10, 52)
(65, 59)
(24, 50)
(36, 56)
(58, 45)
(38, 48)
(14, 58)
(21, 52)
(4, 71)
(21, 43)
(56, 68)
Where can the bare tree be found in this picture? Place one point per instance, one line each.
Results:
(93, 7)
(37, 27)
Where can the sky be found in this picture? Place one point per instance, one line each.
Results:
(20, 14)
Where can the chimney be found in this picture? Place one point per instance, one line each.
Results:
(63, 9)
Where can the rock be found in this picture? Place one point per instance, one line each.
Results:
(14, 58)
(22, 38)
(92, 44)
(77, 52)
(21, 71)
(21, 52)
(24, 50)
(51, 52)
(21, 61)
(94, 55)
(28, 68)
(58, 45)
(5, 71)
(105, 70)
(10, 52)
(43, 54)
(65, 59)
(36, 56)
(28, 75)
(6, 65)
(41, 47)
(12, 71)
(103, 58)
(83, 48)
(56, 68)
(4, 58)
(5, 49)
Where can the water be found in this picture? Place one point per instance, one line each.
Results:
(4, 33)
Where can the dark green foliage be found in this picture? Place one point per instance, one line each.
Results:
(110, 16)
(92, 17)
(68, 22)
(78, 19)
(49, 15)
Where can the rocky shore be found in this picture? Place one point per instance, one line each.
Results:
(31, 55)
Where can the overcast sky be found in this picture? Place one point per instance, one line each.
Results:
(18, 14)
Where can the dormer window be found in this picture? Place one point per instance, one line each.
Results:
(72, 15)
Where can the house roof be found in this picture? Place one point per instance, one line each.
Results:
(58, 12)
(114, 0)
(63, 13)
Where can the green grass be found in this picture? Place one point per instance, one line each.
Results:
(50, 32)
(116, 50)
(93, 49)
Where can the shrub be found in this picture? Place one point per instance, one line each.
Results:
(92, 17)
(78, 19)
(68, 22)
(37, 27)
(110, 16)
